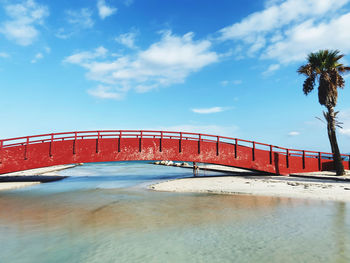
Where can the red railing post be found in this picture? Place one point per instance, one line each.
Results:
(160, 142)
(140, 142)
(270, 154)
(51, 145)
(97, 142)
(1, 145)
(253, 151)
(236, 143)
(303, 159)
(119, 140)
(217, 145)
(349, 161)
(26, 148)
(287, 158)
(180, 143)
(199, 143)
(74, 142)
(319, 161)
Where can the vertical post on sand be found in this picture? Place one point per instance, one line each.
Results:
(195, 169)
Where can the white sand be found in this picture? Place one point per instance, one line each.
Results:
(19, 178)
(51, 170)
(15, 185)
(279, 186)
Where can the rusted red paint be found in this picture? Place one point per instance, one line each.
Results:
(17, 154)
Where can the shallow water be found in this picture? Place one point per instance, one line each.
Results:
(100, 214)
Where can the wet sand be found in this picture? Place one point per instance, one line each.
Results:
(32, 177)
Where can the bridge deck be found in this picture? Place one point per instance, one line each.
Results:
(17, 154)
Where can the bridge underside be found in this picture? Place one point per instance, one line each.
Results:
(49, 153)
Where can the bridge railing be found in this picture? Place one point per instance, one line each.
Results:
(81, 135)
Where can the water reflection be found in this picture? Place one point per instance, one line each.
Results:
(341, 225)
(106, 208)
(107, 219)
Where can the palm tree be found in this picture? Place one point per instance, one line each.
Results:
(323, 67)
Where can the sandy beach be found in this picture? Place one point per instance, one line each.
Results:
(31, 177)
(262, 185)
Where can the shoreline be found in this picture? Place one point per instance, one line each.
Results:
(317, 186)
(275, 186)
(209, 167)
(32, 177)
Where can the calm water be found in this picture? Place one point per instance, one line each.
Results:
(101, 214)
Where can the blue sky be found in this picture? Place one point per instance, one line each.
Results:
(224, 67)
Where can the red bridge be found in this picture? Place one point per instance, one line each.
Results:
(17, 154)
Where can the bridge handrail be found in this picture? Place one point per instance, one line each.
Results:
(61, 136)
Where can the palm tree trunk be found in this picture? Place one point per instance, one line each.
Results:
(329, 132)
(338, 162)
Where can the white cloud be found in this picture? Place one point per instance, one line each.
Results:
(80, 18)
(104, 92)
(24, 17)
(278, 15)
(37, 57)
(287, 30)
(76, 21)
(225, 83)
(310, 36)
(272, 68)
(237, 82)
(127, 39)
(4, 55)
(84, 57)
(168, 61)
(63, 34)
(293, 133)
(104, 10)
(209, 110)
(345, 131)
(344, 117)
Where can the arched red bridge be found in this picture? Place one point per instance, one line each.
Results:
(17, 154)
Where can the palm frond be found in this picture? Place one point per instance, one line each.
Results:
(309, 84)
(305, 70)
(343, 69)
(323, 67)
(327, 118)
